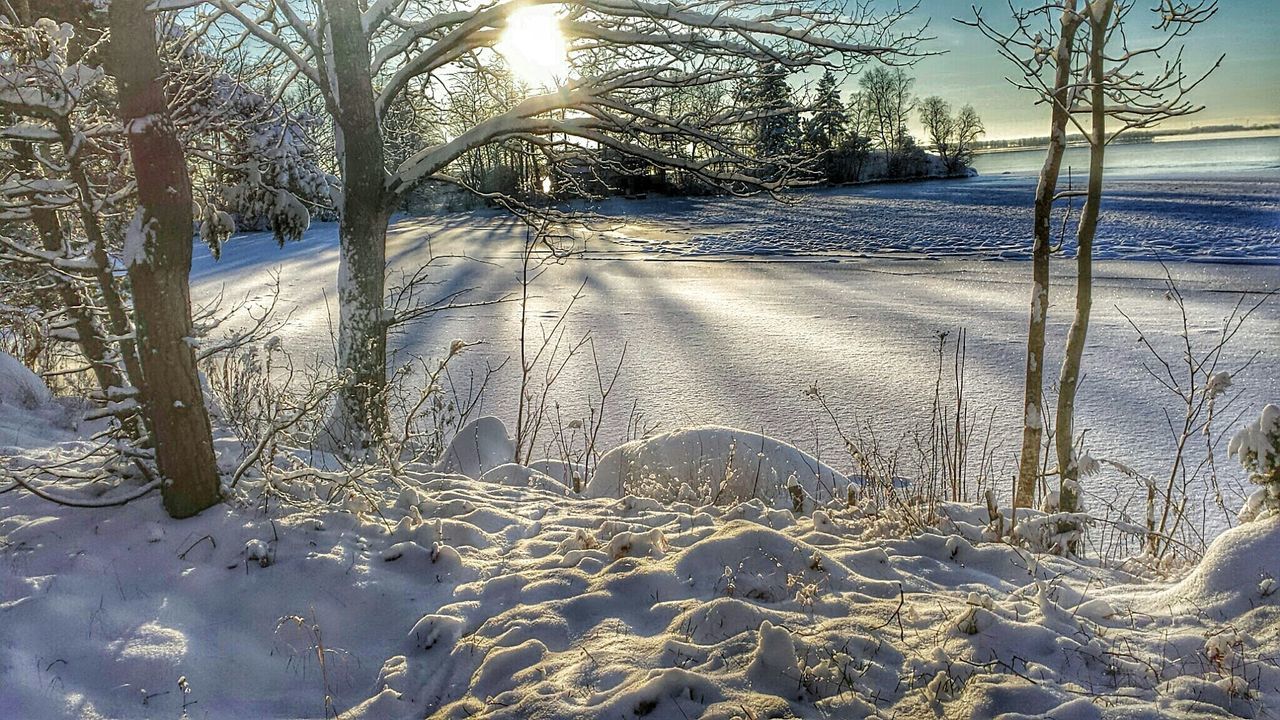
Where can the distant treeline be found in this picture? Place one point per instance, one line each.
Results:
(1134, 136)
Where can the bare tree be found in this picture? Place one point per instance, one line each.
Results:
(939, 126)
(889, 104)
(1041, 45)
(624, 56)
(952, 135)
(1078, 59)
(1118, 85)
(968, 127)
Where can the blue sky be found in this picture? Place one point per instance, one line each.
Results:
(1245, 89)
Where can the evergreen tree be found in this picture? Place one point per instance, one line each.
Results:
(826, 129)
(776, 128)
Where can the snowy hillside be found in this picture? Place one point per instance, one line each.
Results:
(446, 596)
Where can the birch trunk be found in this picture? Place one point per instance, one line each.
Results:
(1033, 389)
(1069, 379)
(159, 269)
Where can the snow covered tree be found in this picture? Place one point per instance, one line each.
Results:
(262, 159)
(1257, 447)
(63, 187)
(774, 130)
(93, 185)
(1078, 58)
(621, 57)
(825, 129)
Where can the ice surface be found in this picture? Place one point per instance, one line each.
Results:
(736, 340)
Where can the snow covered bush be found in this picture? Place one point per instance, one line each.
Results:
(256, 157)
(1257, 446)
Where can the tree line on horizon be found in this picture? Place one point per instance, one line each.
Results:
(803, 136)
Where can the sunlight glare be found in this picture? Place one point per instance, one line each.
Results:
(534, 46)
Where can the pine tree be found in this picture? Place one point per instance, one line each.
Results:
(777, 127)
(826, 129)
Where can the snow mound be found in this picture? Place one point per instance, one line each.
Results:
(515, 475)
(30, 416)
(1237, 572)
(479, 446)
(560, 470)
(743, 559)
(19, 386)
(720, 465)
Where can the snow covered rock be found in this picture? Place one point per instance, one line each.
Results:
(480, 445)
(721, 465)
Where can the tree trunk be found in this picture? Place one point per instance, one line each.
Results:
(1069, 379)
(76, 307)
(159, 264)
(117, 316)
(71, 297)
(360, 420)
(1033, 389)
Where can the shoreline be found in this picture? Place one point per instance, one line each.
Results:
(1171, 137)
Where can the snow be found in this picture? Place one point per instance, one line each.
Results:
(988, 217)
(1232, 579)
(735, 340)
(19, 387)
(442, 595)
(719, 464)
(30, 417)
(705, 571)
(136, 238)
(470, 598)
(478, 446)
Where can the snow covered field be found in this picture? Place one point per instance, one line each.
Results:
(737, 339)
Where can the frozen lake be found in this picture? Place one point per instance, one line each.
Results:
(735, 338)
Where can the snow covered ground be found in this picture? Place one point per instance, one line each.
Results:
(757, 586)
(446, 596)
(736, 339)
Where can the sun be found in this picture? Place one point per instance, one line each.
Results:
(534, 46)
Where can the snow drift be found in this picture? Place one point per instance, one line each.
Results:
(508, 597)
(715, 465)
